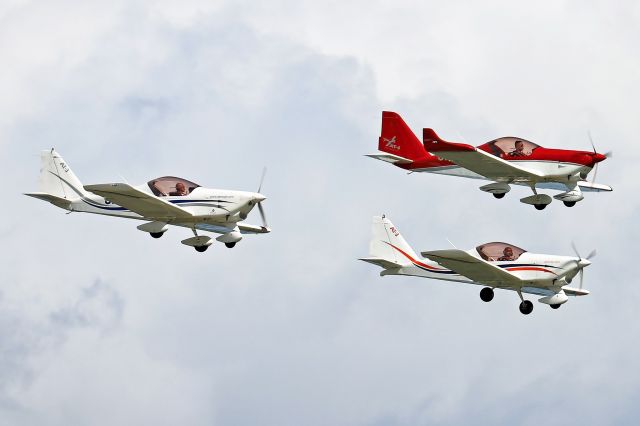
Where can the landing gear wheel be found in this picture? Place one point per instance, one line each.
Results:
(555, 306)
(230, 245)
(156, 234)
(501, 195)
(201, 248)
(486, 294)
(569, 203)
(539, 206)
(526, 307)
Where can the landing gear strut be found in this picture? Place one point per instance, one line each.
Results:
(486, 294)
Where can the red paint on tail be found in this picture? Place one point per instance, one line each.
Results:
(397, 138)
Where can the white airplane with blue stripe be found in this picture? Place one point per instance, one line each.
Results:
(161, 202)
(492, 265)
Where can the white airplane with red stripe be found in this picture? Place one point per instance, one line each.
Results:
(504, 161)
(494, 265)
(161, 202)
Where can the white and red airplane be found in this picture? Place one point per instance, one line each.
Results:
(505, 161)
(161, 202)
(493, 265)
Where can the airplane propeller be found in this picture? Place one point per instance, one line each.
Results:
(581, 262)
(607, 154)
(260, 208)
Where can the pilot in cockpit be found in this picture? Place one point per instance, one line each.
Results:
(507, 255)
(518, 150)
(181, 189)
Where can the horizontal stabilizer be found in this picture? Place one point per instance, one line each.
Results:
(386, 264)
(390, 158)
(55, 200)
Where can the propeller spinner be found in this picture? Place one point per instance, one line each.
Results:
(581, 263)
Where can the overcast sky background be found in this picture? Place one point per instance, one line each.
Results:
(101, 325)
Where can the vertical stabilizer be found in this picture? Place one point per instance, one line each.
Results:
(398, 139)
(57, 178)
(387, 244)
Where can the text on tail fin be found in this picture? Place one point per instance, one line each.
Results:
(398, 139)
(57, 178)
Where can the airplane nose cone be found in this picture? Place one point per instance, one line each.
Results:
(259, 197)
(584, 263)
(599, 157)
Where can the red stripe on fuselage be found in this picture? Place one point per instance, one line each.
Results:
(414, 261)
(529, 268)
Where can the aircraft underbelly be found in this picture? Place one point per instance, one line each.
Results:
(542, 167)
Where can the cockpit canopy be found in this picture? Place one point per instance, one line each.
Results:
(510, 147)
(171, 185)
(496, 251)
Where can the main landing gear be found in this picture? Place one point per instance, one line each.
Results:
(486, 294)
(156, 234)
(199, 242)
(569, 204)
(526, 306)
(230, 245)
(497, 189)
(539, 201)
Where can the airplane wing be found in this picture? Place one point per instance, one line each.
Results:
(140, 202)
(475, 269)
(476, 160)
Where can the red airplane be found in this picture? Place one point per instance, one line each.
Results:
(504, 161)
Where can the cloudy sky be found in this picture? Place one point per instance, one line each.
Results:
(101, 325)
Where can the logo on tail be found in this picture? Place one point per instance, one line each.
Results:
(391, 143)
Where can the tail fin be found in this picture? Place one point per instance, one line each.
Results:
(398, 139)
(57, 178)
(387, 247)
